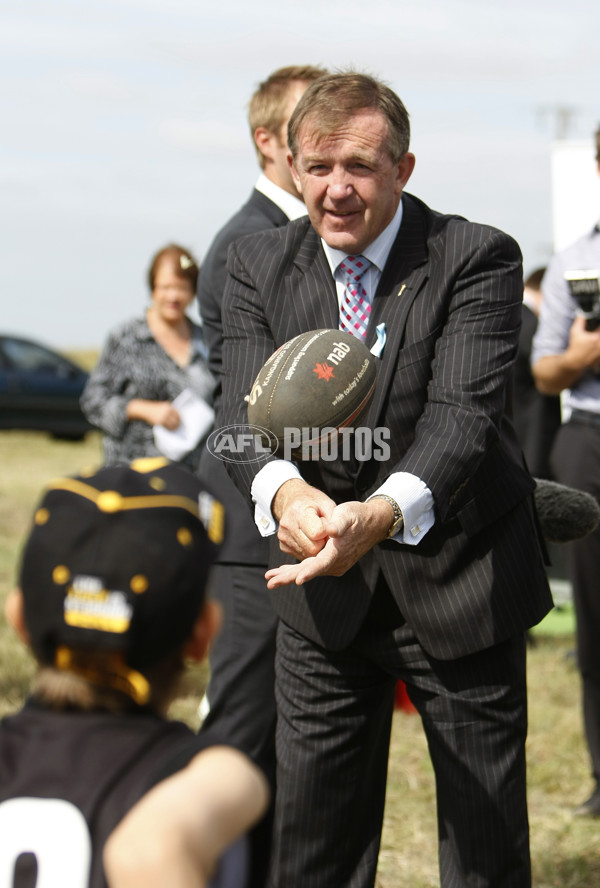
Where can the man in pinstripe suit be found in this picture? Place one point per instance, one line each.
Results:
(426, 566)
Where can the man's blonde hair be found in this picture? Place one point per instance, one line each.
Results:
(269, 106)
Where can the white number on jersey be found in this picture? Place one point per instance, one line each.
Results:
(54, 831)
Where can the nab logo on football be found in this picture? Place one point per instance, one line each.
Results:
(324, 370)
(241, 443)
(319, 380)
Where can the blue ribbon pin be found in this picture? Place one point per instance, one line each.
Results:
(377, 347)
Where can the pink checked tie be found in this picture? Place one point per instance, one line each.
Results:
(355, 308)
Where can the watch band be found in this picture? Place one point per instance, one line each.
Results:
(398, 521)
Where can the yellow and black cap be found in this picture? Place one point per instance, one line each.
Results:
(117, 561)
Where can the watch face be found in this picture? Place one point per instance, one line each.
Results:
(396, 526)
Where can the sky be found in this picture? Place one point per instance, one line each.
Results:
(123, 127)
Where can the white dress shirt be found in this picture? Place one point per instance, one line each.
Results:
(411, 493)
(288, 203)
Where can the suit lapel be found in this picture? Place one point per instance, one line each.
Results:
(314, 285)
(404, 275)
(267, 207)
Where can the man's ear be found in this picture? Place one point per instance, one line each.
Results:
(207, 626)
(405, 167)
(263, 139)
(14, 611)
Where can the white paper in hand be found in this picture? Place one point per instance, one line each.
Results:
(197, 418)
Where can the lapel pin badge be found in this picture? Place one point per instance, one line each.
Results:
(401, 290)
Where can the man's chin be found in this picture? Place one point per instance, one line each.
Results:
(343, 240)
(341, 233)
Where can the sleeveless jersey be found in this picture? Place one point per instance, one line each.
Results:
(67, 779)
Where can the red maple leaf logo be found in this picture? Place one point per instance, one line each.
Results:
(323, 371)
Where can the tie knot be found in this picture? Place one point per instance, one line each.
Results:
(353, 267)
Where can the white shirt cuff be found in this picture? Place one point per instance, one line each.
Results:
(416, 502)
(264, 487)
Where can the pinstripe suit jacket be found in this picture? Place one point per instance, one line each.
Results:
(450, 296)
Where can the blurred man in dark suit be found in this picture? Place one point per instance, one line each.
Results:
(240, 697)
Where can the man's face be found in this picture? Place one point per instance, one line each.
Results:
(274, 147)
(349, 182)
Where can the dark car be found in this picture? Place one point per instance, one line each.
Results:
(40, 389)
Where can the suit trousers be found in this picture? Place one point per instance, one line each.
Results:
(576, 462)
(243, 657)
(244, 647)
(334, 719)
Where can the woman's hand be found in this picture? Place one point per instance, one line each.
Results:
(154, 413)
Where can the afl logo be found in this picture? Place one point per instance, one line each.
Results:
(242, 443)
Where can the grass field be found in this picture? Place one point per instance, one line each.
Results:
(566, 852)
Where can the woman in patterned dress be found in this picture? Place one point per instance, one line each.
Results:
(147, 362)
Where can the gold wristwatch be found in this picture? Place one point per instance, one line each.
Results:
(398, 521)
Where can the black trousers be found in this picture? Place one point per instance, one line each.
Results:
(241, 689)
(334, 719)
(576, 462)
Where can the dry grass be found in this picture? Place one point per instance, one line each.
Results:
(86, 358)
(566, 852)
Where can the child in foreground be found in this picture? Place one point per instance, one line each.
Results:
(97, 786)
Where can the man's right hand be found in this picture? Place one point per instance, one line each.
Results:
(354, 528)
(584, 345)
(302, 512)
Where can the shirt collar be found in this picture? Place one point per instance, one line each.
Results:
(377, 252)
(292, 206)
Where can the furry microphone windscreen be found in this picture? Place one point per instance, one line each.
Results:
(565, 513)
